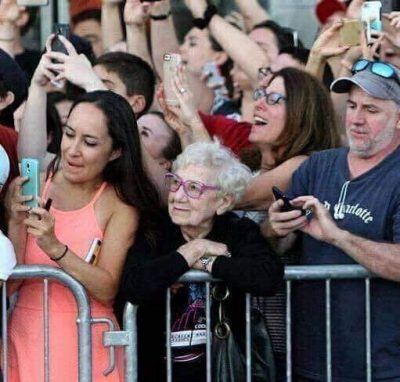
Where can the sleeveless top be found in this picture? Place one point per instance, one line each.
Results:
(77, 229)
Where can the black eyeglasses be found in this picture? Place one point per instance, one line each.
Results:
(381, 69)
(271, 98)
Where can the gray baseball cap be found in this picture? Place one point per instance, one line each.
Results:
(372, 84)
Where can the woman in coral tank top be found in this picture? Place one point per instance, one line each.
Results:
(99, 190)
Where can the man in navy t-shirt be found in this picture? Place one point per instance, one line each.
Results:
(354, 196)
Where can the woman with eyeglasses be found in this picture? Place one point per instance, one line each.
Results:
(293, 117)
(205, 183)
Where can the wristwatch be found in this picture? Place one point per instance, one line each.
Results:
(205, 260)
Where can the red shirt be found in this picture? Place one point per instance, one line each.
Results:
(9, 139)
(231, 133)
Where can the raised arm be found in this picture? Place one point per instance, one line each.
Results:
(244, 51)
(111, 26)
(135, 16)
(183, 118)
(162, 33)
(252, 12)
(259, 195)
(325, 47)
(32, 138)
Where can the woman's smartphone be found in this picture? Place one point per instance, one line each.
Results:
(92, 257)
(30, 168)
(171, 62)
(287, 206)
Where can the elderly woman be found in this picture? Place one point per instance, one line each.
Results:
(206, 182)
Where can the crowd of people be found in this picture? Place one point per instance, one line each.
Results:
(243, 153)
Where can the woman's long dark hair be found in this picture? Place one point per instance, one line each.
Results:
(126, 173)
(310, 117)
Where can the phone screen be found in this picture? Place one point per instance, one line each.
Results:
(56, 44)
(30, 168)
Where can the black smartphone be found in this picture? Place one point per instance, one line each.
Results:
(287, 206)
(56, 44)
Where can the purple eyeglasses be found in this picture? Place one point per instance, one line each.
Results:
(191, 188)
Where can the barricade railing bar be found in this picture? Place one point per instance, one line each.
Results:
(128, 336)
(329, 273)
(47, 273)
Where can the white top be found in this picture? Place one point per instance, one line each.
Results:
(7, 257)
(4, 166)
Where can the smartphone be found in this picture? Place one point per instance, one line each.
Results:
(287, 206)
(350, 33)
(371, 15)
(92, 257)
(214, 78)
(170, 64)
(60, 30)
(30, 168)
(32, 3)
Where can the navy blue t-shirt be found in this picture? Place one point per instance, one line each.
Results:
(367, 206)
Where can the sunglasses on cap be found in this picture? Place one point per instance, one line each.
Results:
(378, 68)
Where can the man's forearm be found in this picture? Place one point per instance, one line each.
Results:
(111, 26)
(382, 259)
(244, 51)
(163, 40)
(252, 12)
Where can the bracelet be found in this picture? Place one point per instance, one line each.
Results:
(202, 23)
(63, 254)
(7, 39)
(160, 17)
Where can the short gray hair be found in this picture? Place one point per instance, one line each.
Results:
(232, 175)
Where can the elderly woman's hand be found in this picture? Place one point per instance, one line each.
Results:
(193, 250)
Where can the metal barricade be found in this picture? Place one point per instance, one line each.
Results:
(83, 320)
(292, 274)
(327, 273)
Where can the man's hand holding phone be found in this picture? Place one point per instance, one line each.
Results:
(283, 223)
(284, 215)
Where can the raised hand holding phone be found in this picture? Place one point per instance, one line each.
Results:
(30, 168)
(371, 16)
(170, 67)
